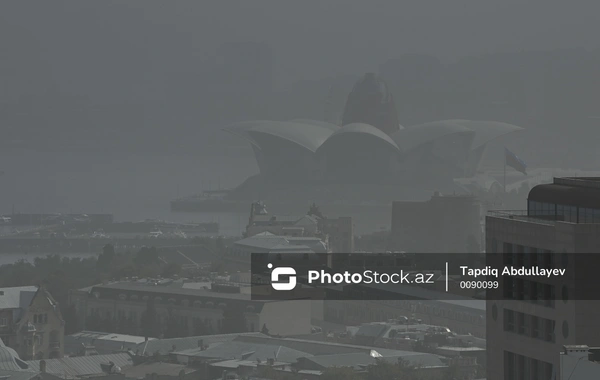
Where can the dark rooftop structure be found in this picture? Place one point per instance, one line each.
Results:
(567, 199)
(371, 102)
(573, 191)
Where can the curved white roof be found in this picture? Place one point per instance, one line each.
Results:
(241, 129)
(366, 129)
(308, 135)
(320, 123)
(486, 131)
(413, 136)
(9, 359)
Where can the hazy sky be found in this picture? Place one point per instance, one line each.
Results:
(311, 38)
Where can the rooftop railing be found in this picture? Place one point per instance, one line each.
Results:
(524, 216)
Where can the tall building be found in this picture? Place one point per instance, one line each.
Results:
(535, 318)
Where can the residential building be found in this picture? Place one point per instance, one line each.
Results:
(31, 322)
(443, 224)
(528, 326)
(185, 309)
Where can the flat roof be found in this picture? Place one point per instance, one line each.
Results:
(169, 290)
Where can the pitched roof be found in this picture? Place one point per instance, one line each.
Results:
(18, 297)
(164, 346)
(81, 365)
(247, 351)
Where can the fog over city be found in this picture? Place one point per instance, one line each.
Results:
(174, 174)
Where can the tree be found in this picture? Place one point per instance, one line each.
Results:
(171, 269)
(146, 256)
(106, 258)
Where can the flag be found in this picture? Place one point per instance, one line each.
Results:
(514, 161)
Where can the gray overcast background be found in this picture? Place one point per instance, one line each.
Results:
(79, 79)
(311, 38)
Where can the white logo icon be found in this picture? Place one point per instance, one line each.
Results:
(282, 271)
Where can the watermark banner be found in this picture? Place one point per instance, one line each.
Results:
(539, 277)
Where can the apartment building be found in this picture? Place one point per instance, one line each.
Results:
(534, 318)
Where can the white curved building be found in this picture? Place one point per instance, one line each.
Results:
(304, 150)
(358, 153)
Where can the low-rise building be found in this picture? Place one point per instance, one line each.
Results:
(462, 315)
(337, 233)
(31, 322)
(182, 306)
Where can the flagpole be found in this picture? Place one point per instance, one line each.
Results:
(505, 171)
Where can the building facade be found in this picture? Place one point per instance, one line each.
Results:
(535, 318)
(190, 307)
(31, 323)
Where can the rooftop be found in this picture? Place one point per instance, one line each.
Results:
(17, 375)
(164, 346)
(247, 351)
(93, 335)
(527, 216)
(18, 297)
(113, 289)
(572, 191)
(417, 293)
(358, 360)
(81, 365)
(159, 368)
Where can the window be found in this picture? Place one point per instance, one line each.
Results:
(596, 215)
(535, 327)
(3, 322)
(549, 330)
(520, 289)
(521, 323)
(509, 320)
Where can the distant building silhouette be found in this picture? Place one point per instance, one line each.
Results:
(370, 102)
